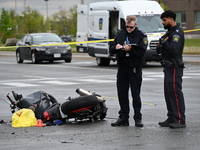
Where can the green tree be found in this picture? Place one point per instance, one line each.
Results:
(72, 21)
(64, 22)
(31, 21)
(163, 5)
(6, 26)
(59, 22)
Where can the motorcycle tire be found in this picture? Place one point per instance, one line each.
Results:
(104, 111)
(102, 116)
(78, 104)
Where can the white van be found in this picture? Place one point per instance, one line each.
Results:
(102, 20)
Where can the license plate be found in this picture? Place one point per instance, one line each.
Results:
(80, 49)
(57, 55)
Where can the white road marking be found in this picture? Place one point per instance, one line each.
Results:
(149, 79)
(38, 81)
(17, 84)
(96, 80)
(58, 82)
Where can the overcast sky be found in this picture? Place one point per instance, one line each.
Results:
(40, 5)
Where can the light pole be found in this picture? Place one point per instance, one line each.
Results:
(24, 5)
(16, 26)
(16, 6)
(46, 7)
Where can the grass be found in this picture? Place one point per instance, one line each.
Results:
(73, 46)
(192, 42)
(192, 46)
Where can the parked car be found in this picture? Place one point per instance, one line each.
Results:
(39, 47)
(66, 38)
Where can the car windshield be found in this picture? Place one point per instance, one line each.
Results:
(46, 38)
(150, 23)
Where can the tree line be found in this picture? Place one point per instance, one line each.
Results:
(14, 25)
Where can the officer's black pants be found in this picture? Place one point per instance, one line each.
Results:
(173, 94)
(128, 77)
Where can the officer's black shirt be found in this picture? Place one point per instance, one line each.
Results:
(173, 47)
(135, 56)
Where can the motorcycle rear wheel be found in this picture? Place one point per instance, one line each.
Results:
(79, 104)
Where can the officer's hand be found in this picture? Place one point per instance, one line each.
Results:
(166, 38)
(118, 46)
(127, 48)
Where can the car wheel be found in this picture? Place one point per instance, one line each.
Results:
(68, 60)
(102, 61)
(33, 58)
(18, 58)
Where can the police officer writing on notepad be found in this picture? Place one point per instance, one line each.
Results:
(171, 49)
(129, 46)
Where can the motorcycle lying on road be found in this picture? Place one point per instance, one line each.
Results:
(86, 106)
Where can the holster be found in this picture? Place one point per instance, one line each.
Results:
(166, 63)
(178, 62)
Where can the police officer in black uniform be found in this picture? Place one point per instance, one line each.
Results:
(129, 46)
(171, 49)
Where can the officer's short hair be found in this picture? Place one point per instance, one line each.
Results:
(131, 18)
(168, 14)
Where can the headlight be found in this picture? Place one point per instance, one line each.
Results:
(68, 47)
(40, 48)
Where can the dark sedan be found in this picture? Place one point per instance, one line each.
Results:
(39, 47)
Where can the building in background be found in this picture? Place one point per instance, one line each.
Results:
(188, 14)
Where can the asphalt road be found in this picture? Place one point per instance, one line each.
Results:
(62, 79)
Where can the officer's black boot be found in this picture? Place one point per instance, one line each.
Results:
(139, 123)
(166, 123)
(121, 122)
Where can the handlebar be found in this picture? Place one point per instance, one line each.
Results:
(11, 101)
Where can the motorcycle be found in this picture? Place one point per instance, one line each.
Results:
(86, 106)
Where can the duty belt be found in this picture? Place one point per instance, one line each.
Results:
(176, 62)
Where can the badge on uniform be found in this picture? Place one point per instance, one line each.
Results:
(176, 38)
(145, 40)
